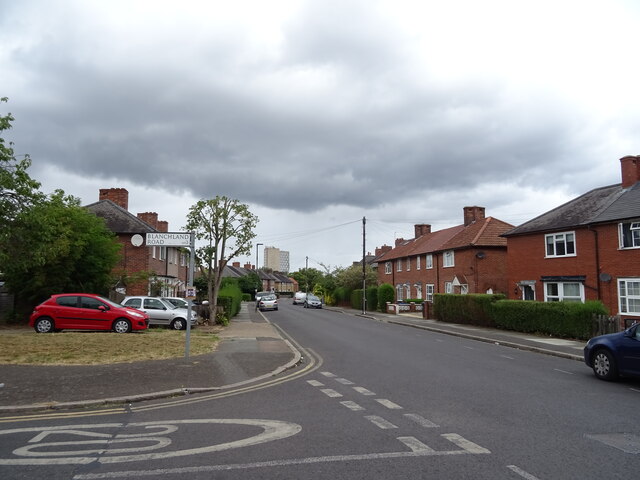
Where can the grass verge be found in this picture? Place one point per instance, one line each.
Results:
(94, 348)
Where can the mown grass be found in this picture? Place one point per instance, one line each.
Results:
(93, 348)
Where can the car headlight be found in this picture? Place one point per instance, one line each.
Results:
(136, 314)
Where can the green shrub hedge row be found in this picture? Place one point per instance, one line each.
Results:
(229, 297)
(473, 309)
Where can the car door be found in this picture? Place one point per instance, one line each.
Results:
(630, 352)
(159, 313)
(96, 314)
(65, 313)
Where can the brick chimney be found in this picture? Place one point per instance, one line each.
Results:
(248, 266)
(163, 226)
(473, 214)
(149, 217)
(119, 196)
(399, 241)
(236, 264)
(383, 249)
(422, 229)
(630, 170)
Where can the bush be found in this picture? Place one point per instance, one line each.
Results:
(473, 309)
(386, 293)
(372, 299)
(341, 296)
(230, 298)
(356, 299)
(559, 319)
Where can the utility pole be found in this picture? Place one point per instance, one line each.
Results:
(306, 275)
(364, 267)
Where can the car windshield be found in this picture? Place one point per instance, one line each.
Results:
(313, 297)
(271, 296)
(111, 302)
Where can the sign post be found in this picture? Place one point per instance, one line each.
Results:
(179, 239)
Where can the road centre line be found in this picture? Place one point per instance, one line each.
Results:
(521, 472)
(380, 422)
(281, 463)
(344, 381)
(315, 383)
(563, 371)
(328, 374)
(415, 445)
(352, 406)
(330, 393)
(388, 403)
(363, 391)
(421, 420)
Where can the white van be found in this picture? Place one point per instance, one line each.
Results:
(299, 298)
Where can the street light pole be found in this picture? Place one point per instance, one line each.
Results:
(257, 245)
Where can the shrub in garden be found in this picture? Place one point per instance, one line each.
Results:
(386, 293)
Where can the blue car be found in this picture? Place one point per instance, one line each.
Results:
(615, 354)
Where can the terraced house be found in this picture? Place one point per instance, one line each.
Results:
(467, 258)
(586, 249)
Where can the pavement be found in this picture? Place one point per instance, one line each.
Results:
(250, 349)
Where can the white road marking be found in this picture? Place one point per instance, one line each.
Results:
(415, 445)
(328, 374)
(102, 453)
(380, 422)
(563, 371)
(507, 357)
(388, 403)
(427, 452)
(352, 406)
(363, 391)
(315, 383)
(329, 392)
(521, 472)
(464, 443)
(344, 381)
(421, 420)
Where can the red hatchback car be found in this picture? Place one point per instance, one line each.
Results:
(87, 312)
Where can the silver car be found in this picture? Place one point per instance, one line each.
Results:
(160, 312)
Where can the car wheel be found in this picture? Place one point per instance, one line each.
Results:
(44, 325)
(179, 324)
(122, 325)
(604, 365)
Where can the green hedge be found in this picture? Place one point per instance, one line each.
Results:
(372, 299)
(356, 299)
(386, 293)
(558, 319)
(473, 309)
(230, 298)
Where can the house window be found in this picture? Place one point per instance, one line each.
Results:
(448, 259)
(399, 265)
(560, 244)
(629, 295)
(387, 268)
(448, 287)
(429, 292)
(563, 292)
(153, 252)
(163, 253)
(399, 289)
(407, 291)
(464, 289)
(418, 290)
(408, 264)
(630, 235)
(429, 261)
(418, 262)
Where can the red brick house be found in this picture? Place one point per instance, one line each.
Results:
(468, 258)
(586, 249)
(167, 266)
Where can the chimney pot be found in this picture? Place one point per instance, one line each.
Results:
(630, 166)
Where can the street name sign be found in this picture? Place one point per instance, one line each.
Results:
(168, 239)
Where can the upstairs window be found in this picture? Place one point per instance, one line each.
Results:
(429, 261)
(630, 235)
(418, 262)
(560, 244)
(399, 265)
(408, 264)
(387, 268)
(448, 259)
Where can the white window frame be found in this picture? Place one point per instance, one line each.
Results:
(418, 262)
(163, 253)
(464, 289)
(429, 261)
(153, 252)
(429, 291)
(418, 290)
(407, 291)
(629, 301)
(634, 232)
(399, 290)
(448, 287)
(408, 264)
(448, 259)
(399, 265)
(561, 296)
(559, 238)
(387, 268)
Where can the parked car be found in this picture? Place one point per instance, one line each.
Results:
(311, 301)
(87, 312)
(161, 312)
(615, 354)
(268, 302)
(299, 298)
(259, 295)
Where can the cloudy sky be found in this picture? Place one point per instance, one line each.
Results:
(318, 113)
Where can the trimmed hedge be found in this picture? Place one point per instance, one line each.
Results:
(372, 299)
(230, 298)
(558, 319)
(472, 309)
(356, 299)
(386, 293)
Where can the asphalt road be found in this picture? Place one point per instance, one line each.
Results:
(372, 400)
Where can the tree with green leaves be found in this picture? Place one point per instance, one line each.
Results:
(56, 246)
(307, 278)
(225, 228)
(351, 277)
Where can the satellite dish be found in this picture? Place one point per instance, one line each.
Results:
(605, 277)
(480, 255)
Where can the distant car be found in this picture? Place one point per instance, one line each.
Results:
(259, 295)
(268, 302)
(161, 312)
(299, 298)
(87, 312)
(311, 301)
(615, 354)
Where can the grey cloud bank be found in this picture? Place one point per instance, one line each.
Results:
(319, 113)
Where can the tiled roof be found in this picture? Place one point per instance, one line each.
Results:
(601, 205)
(117, 219)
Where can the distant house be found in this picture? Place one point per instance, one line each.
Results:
(586, 249)
(468, 258)
(163, 269)
(271, 281)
